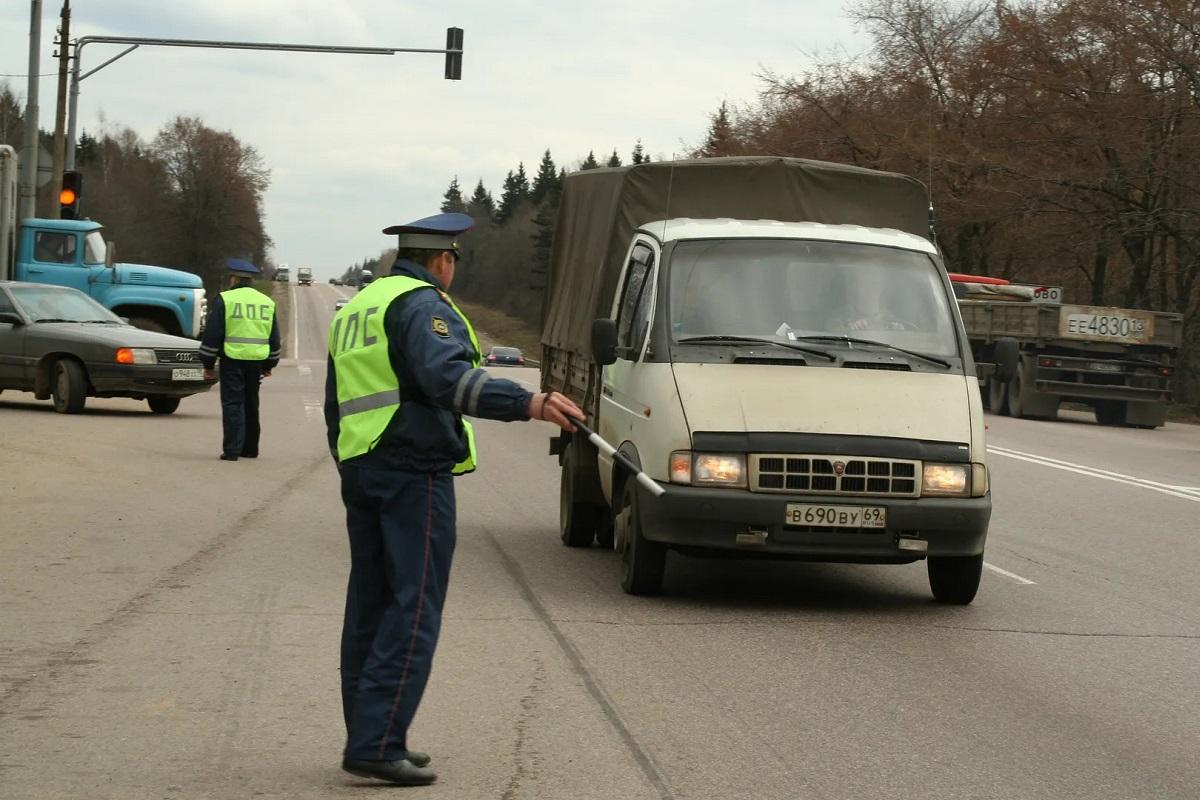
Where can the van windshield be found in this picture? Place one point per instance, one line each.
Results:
(792, 289)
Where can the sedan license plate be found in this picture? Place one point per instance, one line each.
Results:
(825, 516)
(187, 374)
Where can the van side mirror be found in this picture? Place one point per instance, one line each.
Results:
(10, 318)
(110, 254)
(1008, 359)
(604, 341)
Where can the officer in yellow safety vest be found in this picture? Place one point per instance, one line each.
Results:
(403, 370)
(243, 332)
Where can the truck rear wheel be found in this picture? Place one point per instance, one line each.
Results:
(954, 580)
(70, 387)
(1016, 401)
(997, 397)
(577, 521)
(1110, 412)
(643, 562)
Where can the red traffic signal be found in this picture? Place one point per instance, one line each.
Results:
(68, 196)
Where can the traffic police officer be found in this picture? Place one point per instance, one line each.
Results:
(403, 370)
(243, 331)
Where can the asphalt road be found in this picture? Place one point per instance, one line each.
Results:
(169, 628)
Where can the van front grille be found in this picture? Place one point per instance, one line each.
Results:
(852, 476)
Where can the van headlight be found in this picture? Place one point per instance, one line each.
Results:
(946, 479)
(708, 469)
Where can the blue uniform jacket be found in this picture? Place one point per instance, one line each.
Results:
(432, 354)
(213, 342)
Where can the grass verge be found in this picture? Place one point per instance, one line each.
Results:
(497, 328)
(278, 292)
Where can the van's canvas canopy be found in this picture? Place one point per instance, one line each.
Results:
(601, 209)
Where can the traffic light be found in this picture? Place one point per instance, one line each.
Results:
(68, 196)
(454, 41)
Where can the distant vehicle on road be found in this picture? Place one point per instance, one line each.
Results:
(304, 276)
(283, 274)
(367, 277)
(505, 356)
(341, 302)
(64, 346)
(335, 281)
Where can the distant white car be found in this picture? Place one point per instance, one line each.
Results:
(338, 305)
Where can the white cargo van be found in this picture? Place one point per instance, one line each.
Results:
(777, 343)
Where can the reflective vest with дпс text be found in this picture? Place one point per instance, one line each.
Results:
(368, 389)
(248, 317)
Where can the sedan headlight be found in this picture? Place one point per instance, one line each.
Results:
(136, 355)
(708, 469)
(946, 479)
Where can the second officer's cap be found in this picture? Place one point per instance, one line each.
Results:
(239, 267)
(439, 232)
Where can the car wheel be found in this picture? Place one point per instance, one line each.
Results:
(70, 387)
(577, 521)
(162, 404)
(643, 562)
(954, 580)
(147, 324)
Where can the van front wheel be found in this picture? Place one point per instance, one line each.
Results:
(954, 580)
(643, 562)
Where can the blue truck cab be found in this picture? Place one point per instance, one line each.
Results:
(74, 253)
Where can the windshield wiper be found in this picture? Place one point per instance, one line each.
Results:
(754, 340)
(941, 362)
(100, 322)
(53, 319)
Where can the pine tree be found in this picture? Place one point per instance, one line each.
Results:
(614, 160)
(482, 206)
(639, 153)
(543, 237)
(590, 162)
(515, 193)
(720, 139)
(86, 150)
(546, 180)
(452, 200)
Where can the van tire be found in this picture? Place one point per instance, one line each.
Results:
(577, 521)
(69, 390)
(643, 562)
(954, 580)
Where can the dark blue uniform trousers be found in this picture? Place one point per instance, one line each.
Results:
(402, 536)
(240, 381)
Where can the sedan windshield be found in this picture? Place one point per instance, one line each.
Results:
(799, 290)
(46, 303)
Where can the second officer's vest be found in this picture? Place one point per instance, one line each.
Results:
(368, 389)
(248, 317)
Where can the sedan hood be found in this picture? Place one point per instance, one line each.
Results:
(744, 398)
(146, 275)
(114, 335)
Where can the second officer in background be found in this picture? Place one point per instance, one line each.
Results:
(243, 332)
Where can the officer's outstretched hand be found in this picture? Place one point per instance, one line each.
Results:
(556, 408)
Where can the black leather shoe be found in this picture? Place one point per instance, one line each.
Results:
(227, 457)
(249, 455)
(418, 758)
(401, 773)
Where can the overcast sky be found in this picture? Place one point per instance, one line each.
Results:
(356, 143)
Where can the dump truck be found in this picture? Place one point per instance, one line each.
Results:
(1119, 361)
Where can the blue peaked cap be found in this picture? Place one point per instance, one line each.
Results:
(438, 232)
(240, 267)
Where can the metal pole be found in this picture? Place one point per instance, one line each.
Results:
(27, 202)
(75, 79)
(60, 109)
(137, 41)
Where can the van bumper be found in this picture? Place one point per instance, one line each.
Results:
(712, 519)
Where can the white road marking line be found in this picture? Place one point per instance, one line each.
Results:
(1095, 472)
(304, 369)
(313, 409)
(1007, 574)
